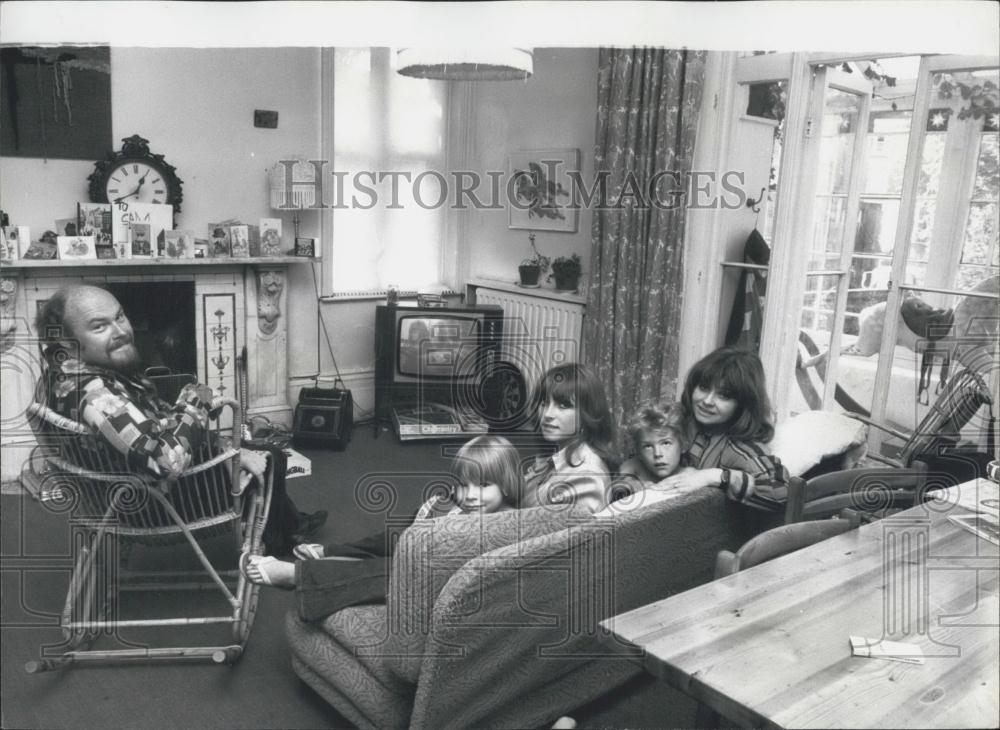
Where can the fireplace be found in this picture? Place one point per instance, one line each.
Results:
(162, 314)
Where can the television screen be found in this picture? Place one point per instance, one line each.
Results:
(438, 345)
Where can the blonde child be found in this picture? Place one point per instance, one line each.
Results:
(659, 436)
(329, 578)
(489, 480)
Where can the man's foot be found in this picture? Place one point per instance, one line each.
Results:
(309, 524)
(265, 570)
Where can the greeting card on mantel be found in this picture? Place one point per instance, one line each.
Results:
(158, 217)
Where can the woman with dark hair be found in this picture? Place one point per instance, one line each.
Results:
(573, 414)
(726, 400)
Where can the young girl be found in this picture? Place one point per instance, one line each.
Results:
(489, 477)
(660, 435)
(724, 395)
(489, 481)
(573, 414)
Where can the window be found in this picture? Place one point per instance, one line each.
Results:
(387, 144)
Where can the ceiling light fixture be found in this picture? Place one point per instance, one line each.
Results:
(450, 64)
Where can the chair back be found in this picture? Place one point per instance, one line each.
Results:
(962, 397)
(101, 486)
(777, 542)
(167, 383)
(874, 492)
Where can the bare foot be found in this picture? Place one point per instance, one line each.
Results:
(266, 570)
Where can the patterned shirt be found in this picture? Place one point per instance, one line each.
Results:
(153, 436)
(756, 478)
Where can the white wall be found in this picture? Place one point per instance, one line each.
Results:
(556, 108)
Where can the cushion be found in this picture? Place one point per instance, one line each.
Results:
(803, 440)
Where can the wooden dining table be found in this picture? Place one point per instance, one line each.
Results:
(770, 646)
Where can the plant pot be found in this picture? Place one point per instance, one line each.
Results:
(529, 274)
(567, 281)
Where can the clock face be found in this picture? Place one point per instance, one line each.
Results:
(136, 182)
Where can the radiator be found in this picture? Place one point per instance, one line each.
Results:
(538, 332)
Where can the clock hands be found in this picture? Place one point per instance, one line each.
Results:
(134, 192)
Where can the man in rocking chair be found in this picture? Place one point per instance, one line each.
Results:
(103, 388)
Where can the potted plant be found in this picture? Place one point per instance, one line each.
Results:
(566, 271)
(533, 267)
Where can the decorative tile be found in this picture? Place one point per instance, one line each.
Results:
(219, 342)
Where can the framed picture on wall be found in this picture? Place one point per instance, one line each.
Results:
(57, 102)
(541, 190)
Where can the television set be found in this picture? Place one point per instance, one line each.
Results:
(433, 355)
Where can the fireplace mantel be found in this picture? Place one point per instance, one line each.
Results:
(58, 266)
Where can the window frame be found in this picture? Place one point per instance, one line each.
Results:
(454, 133)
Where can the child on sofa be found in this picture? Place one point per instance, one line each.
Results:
(573, 414)
(659, 435)
(489, 477)
(489, 481)
(725, 397)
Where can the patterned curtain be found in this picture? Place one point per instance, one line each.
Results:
(647, 114)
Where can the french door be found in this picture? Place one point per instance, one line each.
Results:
(884, 237)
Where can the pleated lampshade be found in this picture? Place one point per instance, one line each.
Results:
(465, 64)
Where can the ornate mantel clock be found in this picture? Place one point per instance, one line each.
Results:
(135, 175)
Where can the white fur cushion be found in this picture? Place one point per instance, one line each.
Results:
(802, 441)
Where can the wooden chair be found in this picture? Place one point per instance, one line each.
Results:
(940, 429)
(766, 546)
(779, 541)
(871, 492)
(115, 509)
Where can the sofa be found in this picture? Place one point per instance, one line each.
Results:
(493, 620)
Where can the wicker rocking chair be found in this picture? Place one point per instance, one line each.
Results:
(118, 509)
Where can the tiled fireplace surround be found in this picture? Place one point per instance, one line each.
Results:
(236, 305)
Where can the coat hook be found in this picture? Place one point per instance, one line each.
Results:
(754, 205)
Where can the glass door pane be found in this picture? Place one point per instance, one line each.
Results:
(870, 265)
(839, 115)
(948, 309)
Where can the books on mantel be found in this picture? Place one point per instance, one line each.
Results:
(433, 420)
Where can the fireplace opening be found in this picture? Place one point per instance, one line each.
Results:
(163, 320)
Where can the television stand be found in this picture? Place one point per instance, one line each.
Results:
(424, 421)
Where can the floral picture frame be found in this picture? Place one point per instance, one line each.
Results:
(541, 190)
